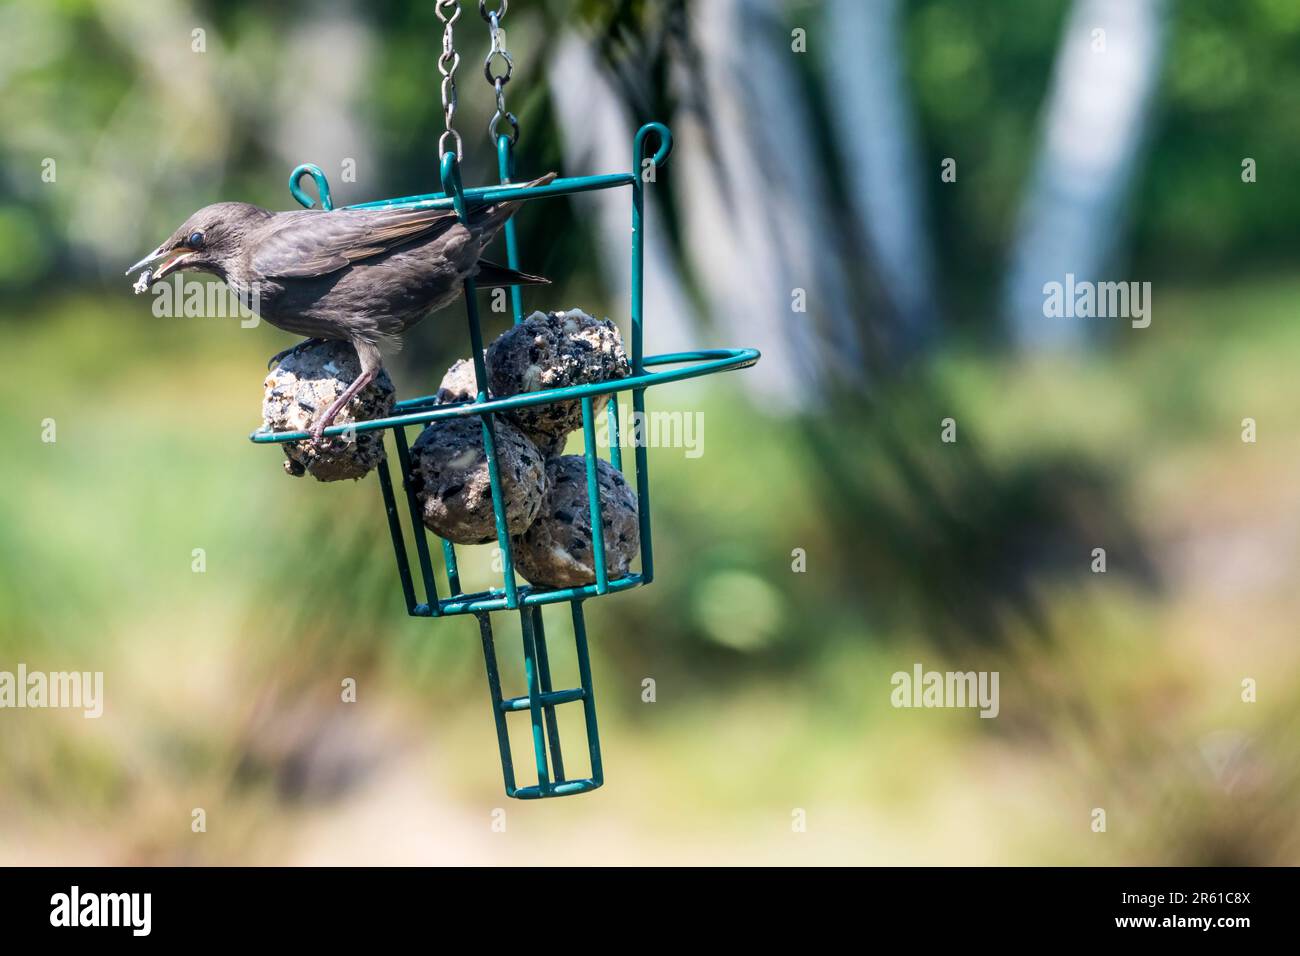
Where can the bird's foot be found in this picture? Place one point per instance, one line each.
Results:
(283, 354)
(318, 428)
(334, 442)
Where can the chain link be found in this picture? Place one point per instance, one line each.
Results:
(498, 81)
(448, 12)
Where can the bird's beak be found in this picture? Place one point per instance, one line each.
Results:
(171, 259)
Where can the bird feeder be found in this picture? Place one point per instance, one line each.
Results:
(419, 586)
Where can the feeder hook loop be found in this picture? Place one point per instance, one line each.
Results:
(665, 137)
(322, 186)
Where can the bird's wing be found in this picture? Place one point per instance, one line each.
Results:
(307, 244)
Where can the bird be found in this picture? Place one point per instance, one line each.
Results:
(360, 275)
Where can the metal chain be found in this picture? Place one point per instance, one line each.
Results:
(448, 12)
(498, 82)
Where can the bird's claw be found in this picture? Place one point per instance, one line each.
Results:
(281, 355)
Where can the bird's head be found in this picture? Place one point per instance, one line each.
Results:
(206, 242)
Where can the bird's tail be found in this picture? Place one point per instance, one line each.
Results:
(490, 275)
(494, 217)
(542, 180)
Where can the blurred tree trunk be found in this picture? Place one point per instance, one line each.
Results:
(335, 132)
(755, 205)
(597, 138)
(1094, 128)
(871, 113)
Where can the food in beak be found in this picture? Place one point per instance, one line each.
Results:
(168, 260)
(147, 260)
(171, 262)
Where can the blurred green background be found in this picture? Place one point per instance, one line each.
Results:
(817, 169)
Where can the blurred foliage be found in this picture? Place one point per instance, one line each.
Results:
(1231, 89)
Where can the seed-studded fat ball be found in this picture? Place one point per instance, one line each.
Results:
(458, 384)
(302, 385)
(557, 550)
(449, 475)
(551, 446)
(554, 350)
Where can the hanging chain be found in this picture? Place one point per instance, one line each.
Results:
(448, 12)
(498, 82)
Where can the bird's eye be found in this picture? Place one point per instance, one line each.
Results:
(195, 241)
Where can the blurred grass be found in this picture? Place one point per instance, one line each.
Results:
(772, 687)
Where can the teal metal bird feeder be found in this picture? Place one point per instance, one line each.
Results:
(419, 586)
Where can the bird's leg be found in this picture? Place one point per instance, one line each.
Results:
(278, 357)
(368, 355)
(362, 380)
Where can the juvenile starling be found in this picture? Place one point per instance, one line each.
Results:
(355, 275)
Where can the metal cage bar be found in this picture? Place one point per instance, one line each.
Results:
(593, 498)
(494, 693)
(417, 523)
(638, 324)
(506, 169)
(548, 697)
(612, 427)
(499, 516)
